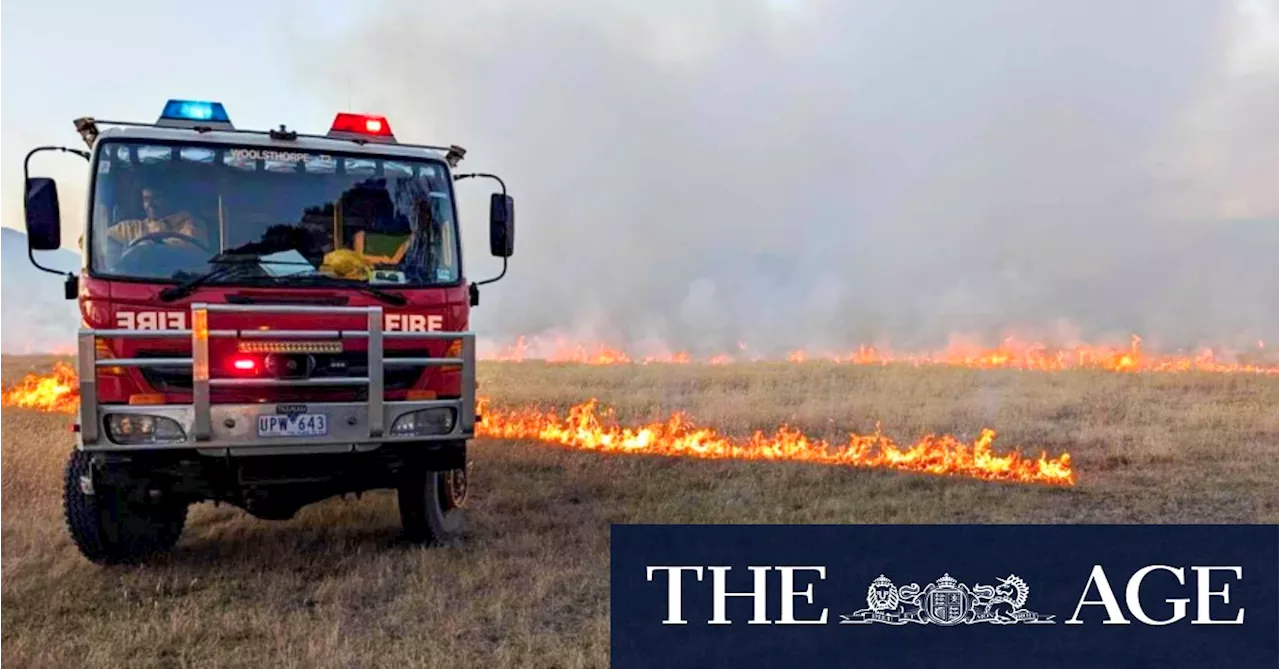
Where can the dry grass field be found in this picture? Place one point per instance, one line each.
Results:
(527, 586)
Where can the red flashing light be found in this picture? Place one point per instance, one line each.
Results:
(245, 364)
(362, 124)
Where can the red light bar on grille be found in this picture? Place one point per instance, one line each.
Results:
(362, 126)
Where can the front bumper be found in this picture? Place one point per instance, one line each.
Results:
(231, 428)
(234, 426)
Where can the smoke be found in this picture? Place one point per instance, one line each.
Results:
(817, 173)
(37, 318)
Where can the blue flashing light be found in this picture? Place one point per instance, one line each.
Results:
(195, 110)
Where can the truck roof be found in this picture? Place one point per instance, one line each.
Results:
(263, 140)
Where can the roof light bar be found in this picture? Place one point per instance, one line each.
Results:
(195, 114)
(362, 127)
(204, 115)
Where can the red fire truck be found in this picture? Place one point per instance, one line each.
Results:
(269, 319)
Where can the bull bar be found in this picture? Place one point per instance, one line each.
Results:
(231, 426)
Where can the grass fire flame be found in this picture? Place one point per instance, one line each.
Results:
(1011, 353)
(56, 392)
(586, 427)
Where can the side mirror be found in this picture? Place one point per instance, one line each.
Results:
(44, 221)
(502, 225)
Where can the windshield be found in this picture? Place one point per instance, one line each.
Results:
(173, 212)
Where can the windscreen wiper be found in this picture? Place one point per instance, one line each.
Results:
(230, 263)
(226, 265)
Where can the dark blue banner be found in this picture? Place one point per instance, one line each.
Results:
(748, 596)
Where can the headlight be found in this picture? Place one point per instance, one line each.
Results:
(135, 428)
(424, 422)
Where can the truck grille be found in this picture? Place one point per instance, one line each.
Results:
(335, 365)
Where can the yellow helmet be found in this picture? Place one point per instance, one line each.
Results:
(346, 264)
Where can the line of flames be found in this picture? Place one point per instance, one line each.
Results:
(1010, 354)
(585, 427)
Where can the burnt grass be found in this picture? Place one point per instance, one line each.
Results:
(527, 584)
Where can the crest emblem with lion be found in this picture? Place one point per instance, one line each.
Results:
(946, 601)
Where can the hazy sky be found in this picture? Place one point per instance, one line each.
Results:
(122, 60)
(787, 171)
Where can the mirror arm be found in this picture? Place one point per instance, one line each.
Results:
(470, 175)
(500, 275)
(26, 174)
(475, 286)
(26, 162)
(31, 255)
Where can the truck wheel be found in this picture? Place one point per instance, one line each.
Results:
(429, 506)
(109, 528)
(453, 488)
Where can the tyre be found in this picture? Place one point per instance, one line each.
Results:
(107, 526)
(431, 505)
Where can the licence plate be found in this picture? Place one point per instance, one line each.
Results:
(297, 425)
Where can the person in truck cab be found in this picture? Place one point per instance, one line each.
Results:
(162, 243)
(159, 217)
